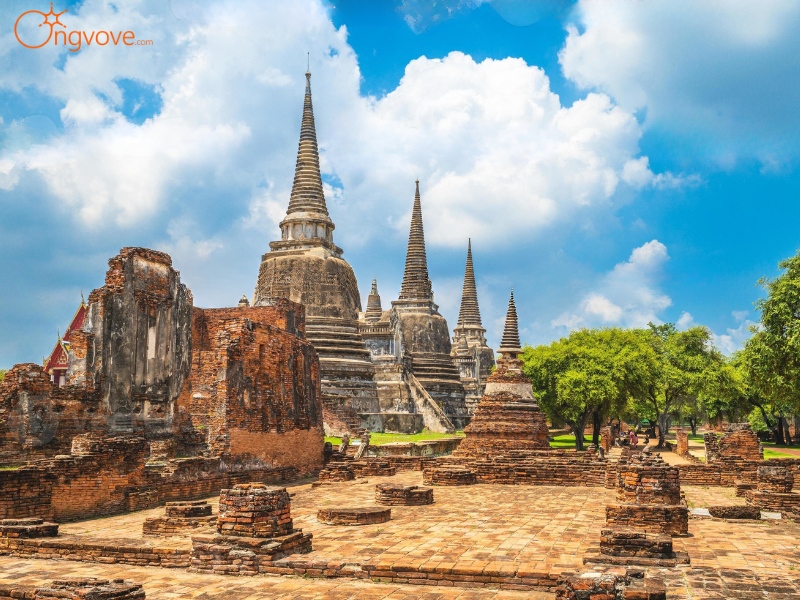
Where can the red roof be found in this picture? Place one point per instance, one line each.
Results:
(59, 359)
(77, 321)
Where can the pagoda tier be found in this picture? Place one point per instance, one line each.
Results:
(508, 417)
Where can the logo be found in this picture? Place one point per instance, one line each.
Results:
(35, 29)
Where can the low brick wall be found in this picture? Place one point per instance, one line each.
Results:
(430, 448)
(333, 472)
(373, 467)
(509, 576)
(559, 468)
(410, 463)
(74, 487)
(390, 494)
(103, 551)
(448, 476)
(725, 472)
(673, 520)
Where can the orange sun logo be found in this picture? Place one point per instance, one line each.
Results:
(45, 21)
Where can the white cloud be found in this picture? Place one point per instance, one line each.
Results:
(493, 146)
(627, 296)
(685, 321)
(725, 75)
(734, 337)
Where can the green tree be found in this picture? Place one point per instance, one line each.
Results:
(772, 355)
(2, 375)
(590, 373)
(688, 366)
(764, 387)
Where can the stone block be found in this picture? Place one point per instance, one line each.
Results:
(354, 516)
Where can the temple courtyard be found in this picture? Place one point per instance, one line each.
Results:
(465, 545)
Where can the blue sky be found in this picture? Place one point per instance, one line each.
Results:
(618, 165)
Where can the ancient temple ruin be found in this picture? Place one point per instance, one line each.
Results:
(306, 266)
(410, 345)
(470, 352)
(508, 418)
(233, 392)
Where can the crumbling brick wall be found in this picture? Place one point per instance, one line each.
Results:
(739, 443)
(38, 419)
(254, 387)
(142, 318)
(238, 386)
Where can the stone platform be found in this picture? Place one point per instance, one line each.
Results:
(368, 515)
(31, 527)
(390, 494)
(635, 548)
(180, 517)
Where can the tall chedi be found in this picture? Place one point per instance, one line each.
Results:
(424, 332)
(306, 266)
(508, 418)
(472, 355)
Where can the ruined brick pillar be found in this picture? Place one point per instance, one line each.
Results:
(681, 442)
(255, 529)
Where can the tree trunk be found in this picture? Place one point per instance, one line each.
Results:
(663, 420)
(779, 439)
(596, 429)
(577, 427)
(693, 425)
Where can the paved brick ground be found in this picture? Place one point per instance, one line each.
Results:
(163, 584)
(542, 527)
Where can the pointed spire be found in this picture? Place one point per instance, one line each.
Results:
(469, 315)
(374, 310)
(509, 345)
(416, 284)
(307, 194)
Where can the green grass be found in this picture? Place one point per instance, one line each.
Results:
(567, 441)
(769, 453)
(774, 445)
(8, 468)
(378, 439)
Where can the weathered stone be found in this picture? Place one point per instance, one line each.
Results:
(354, 516)
(735, 512)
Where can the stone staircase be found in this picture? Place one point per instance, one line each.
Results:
(339, 417)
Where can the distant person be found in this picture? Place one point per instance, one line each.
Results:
(634, 440)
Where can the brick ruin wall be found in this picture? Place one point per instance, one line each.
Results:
(739, 443)
(535, 467)
(115, 480)
(253, 390)
(235, 391)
